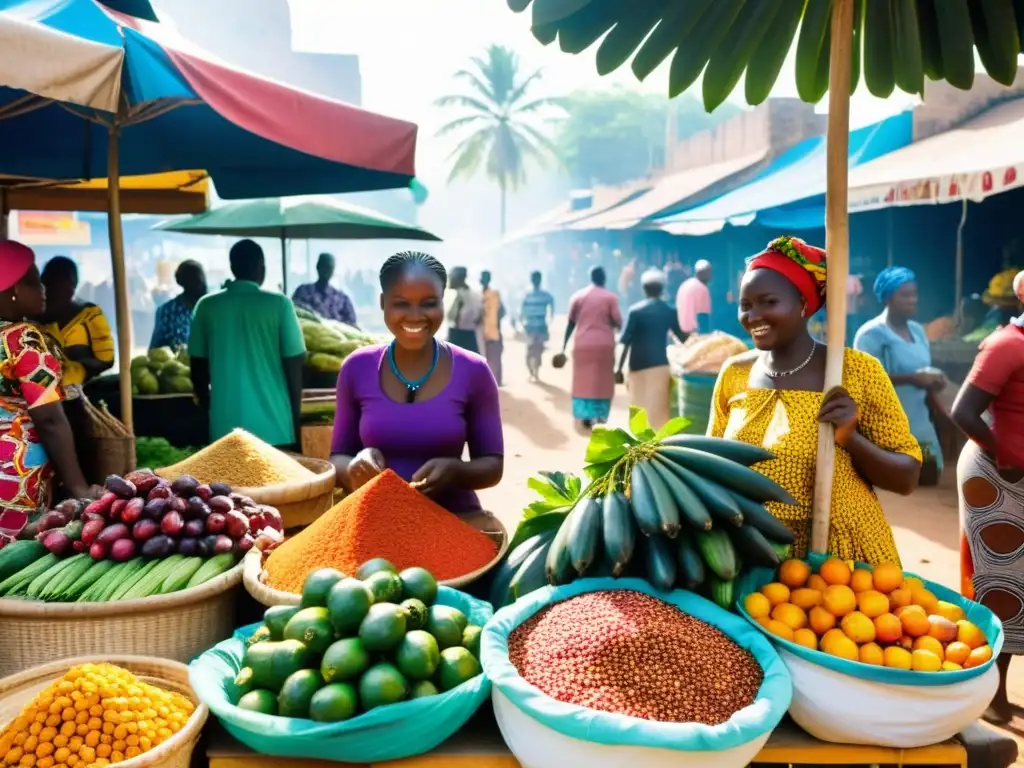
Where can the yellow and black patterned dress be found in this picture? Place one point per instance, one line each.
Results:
(785, 422)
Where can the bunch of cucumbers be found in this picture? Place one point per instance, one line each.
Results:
(685, 512)
(718, 41)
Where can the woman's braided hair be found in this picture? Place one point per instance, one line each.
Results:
(395, 266)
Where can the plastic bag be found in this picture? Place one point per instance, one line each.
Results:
(386, 733)
(542, 731)
(848, 702)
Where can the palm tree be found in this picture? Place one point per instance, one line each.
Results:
(497, 107)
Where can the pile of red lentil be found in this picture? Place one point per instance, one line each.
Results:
(626, 652)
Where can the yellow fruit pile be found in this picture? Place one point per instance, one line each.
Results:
(875, 617)
(95, 715)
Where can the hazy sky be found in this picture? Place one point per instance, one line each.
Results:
(409, 49)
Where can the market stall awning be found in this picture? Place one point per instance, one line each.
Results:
(797, 174)
(670, 191)
(981, 158)
(167, 194)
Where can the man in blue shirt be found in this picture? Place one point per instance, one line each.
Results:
(538, 307)
(645, 341)
(174, 317)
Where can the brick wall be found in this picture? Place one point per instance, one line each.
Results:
(946, 107)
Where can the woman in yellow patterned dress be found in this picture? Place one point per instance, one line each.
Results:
(771, 396)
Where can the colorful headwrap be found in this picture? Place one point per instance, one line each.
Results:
(802, 264)
(890, 280)
(15, 262)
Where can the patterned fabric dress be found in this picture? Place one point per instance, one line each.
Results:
(30, 376)
(785, 422)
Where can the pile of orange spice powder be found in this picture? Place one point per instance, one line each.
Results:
(385, 518)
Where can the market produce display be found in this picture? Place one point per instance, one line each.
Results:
(629, 653)
(682, 510)
(158, 452)
(241, 460)
(879, 617)
(145, 536)
(92, 716)
(161, 371)
(329, 342)
(385, 518)
(357, 643)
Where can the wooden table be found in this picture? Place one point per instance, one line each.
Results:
(479, 745)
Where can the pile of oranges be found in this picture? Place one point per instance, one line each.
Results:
(878, 617)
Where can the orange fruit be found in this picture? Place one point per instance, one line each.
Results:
(765, 621)
(909, 582)
(861, 581)
(805, 598)
(814, 581)
(943, 630)
(925, 661)
(899, 598)
(778, 628)
(839, 600)
(887, 577)
(806, 638)
(915, 623)
(957, 652)
(794, 573)
(830, 638)
(978, 656)
(858, 628)
(910, 609)
(925, 598)
(951, 666)
(930, 644)
(888, 628)
(906, 643)
(821, 621)
(776, 593)
(970, 635)
(897, 658)
(757, 605)
(844, 648)
(835, 571)
(790, 615)
(950, 611)
(872, 653)
(872, 603)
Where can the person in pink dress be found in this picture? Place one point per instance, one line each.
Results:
(594, 316)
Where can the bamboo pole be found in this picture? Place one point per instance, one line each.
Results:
(837, 244)
(124, 317)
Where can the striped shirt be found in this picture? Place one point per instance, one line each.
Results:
(535, 311)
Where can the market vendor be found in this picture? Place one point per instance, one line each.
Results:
(771, 397)
(174, 317)
(899, 343)
(414, 404)
(34, 429)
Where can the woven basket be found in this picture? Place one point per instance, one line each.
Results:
(299, 503)
(19, 689)
(253, 574)
(177, 626)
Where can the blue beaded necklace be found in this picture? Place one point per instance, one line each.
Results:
(413, 386)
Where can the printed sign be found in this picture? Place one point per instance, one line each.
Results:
(49, 228)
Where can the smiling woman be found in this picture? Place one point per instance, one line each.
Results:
(415, 404)
(771, 397)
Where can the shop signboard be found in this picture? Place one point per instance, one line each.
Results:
(57, 228)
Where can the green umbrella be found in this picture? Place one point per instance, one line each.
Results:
(321, 218)
(896, 43)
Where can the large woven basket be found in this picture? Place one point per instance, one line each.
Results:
(178, 626)
(19, 689)
(253, 576)
(299, 503)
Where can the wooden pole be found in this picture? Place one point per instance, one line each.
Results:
(124, 317)
(284, 265)
(837, 244)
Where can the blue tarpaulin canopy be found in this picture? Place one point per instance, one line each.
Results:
(790, 193)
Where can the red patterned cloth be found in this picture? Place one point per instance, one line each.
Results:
(803, 265)
(30, 377)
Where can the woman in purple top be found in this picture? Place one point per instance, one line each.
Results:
(414, 405)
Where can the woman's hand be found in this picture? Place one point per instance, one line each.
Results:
(436, 475)
(839, 410)
(930, 380)
(87, 492)
(365, 466)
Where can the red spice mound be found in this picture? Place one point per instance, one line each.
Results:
(385, 518)
(626, 652)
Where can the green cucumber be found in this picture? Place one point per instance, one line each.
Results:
(178, 578)
(150, 583)
(733, 450)
(18, 555)
(643, 502)
(661, 562)
(77, 565)
(729, 474)
(691, 572)
(131, 579)
(690, 505)
(47, 577)
(718, 554)
(585, 534)
(754, 547)
(619, 532)
(84, 582)
(722, 591)
(558, 561)
(756, 515)
(14, 583)
(212, 568)
(665, 505)
(716, 499)
(105, 584)
(274, 662)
